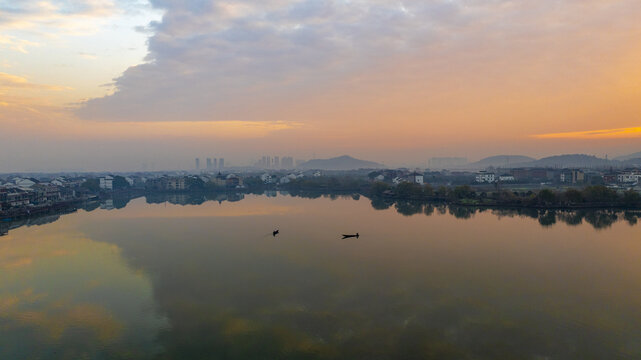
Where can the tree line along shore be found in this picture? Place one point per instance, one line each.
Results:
(43, 198)
(590, 196)
(593, 196)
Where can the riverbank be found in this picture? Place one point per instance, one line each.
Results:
(39, 210)
(590, 197)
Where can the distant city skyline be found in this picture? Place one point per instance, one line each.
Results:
(213, 164)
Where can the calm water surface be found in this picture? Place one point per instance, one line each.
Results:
(164, 281)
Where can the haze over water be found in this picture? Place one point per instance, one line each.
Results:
(164, 281)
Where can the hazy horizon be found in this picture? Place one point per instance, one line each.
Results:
(189, 164)
(113, 85)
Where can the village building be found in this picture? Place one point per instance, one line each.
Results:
(485, 177)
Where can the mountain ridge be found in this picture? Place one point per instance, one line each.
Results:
(501, 160)
(635, 155)
(344, 162)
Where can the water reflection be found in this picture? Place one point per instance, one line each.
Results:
(63, 296)
(598, 218)
(193, 199)
(231, 292)
(162, 279)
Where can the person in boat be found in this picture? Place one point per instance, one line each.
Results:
(345, 236)
(275, 232)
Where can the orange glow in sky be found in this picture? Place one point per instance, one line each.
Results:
(395, 83)
(634, 132)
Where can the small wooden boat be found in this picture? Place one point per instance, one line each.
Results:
(347, 236)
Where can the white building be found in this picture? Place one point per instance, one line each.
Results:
(485, 177)
(177, 183)
(416, 178)
(25, 183)
(266, 178)
(629, 177)
(107, 204)
(506, 178)
(107, 183)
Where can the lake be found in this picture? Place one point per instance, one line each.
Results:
(175, 277)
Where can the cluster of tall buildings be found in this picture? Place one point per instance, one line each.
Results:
(212, 164)
(268, 162)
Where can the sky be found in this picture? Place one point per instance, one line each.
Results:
(123, 85)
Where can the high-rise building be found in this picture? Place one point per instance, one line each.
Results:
(208, 163)
(215, 164)
(197, 164)
(287, 162)
(221, 163)
(276, 162)
(265, 162)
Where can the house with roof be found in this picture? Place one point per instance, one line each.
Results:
(485, 177)
(572, 176)
(25, 182)
(266, 178)
(233, 181)
(415, 178)
(107, 182)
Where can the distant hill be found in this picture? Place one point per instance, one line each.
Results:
(344, 162)
(502, 161)
(567, 161)
(636, 155)
(631, 162)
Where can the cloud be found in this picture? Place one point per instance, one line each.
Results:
(249, 60)
(18, 82)
(631, 132)
(19, 262)
(31, 13)
(46, 19)
(88, 56)
(19, 45)
(247, 77)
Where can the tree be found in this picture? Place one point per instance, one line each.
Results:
(546, 196)
(120, 182)
(547, 218)
(599, 193)
(409, 207)
(631, 198)
(441, 191)
(506, 197)
(573, 196)
(194, 183)
(463, 192)
(378, 188)
(250, 182)
(374, 174)
(92, 185)
(381, 204)
(408, 190)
